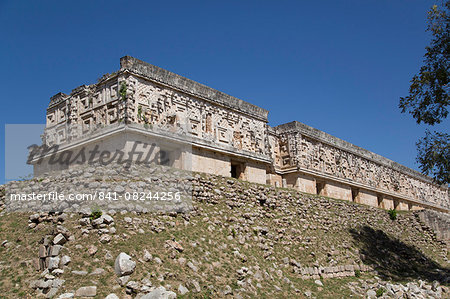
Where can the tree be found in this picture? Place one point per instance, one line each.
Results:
(428, 97)
(434, 155)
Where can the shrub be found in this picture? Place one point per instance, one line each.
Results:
(123, 90)
(392, 214)
(357, 273)
(95, 214)
(380, 292)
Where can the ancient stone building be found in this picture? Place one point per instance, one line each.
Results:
(226, 136)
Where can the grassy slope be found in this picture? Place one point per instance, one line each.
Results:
(312, 230)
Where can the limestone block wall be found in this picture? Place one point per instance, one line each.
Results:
(336, 190)
(402, 206)
(210, 162)
(255, 172)
(438, 222)
(367, 197)
(387, 202)
(305, 183)
(274, 179)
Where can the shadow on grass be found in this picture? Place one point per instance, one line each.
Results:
(395, 260)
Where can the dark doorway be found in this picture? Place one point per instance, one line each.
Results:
(237, 170)
(380, 201)
(396, 203)
(355, 193)
(164, 158)
(319, 187)
(233, 171)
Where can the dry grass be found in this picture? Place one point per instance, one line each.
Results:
(207, 244)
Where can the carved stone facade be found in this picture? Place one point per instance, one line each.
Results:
(231, 137)
(354, 173)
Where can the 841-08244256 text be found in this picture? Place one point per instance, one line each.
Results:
(97, 195)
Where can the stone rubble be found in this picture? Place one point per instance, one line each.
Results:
(242, 228)
(49, 258)
(386, 290)
(90, 291)
(124, 265)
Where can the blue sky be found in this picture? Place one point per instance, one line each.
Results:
(339, 66)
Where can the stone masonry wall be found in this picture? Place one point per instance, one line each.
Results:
(438, 222)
